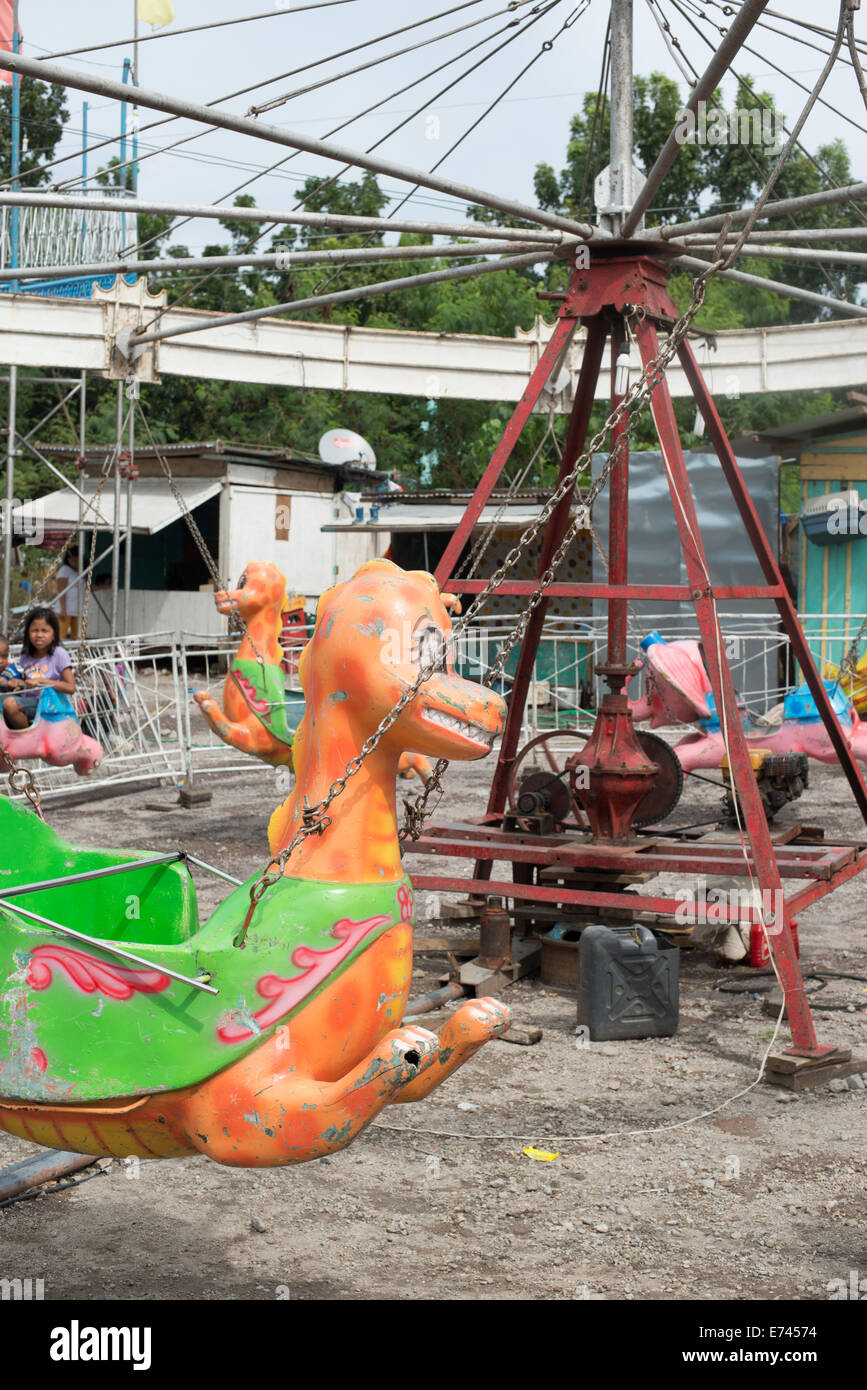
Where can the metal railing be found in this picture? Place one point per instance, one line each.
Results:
(135, 694)
(69, 236)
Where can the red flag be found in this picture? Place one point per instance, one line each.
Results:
(6, 34)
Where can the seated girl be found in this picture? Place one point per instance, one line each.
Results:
(44, 664)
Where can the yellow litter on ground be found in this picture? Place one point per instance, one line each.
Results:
(541, 1155)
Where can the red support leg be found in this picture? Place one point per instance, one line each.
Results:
(618, 514)
(785, 607)
(761, 846)
(557, 345)
(558, 523)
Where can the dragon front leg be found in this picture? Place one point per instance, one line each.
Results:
(469, 1028)
(264, 1112)
(414, 764)
(238, 736)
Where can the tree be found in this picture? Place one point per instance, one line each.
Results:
(43, 113)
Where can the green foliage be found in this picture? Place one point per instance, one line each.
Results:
(443, 441)
(43, 112)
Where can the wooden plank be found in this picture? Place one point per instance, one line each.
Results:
(456, 945)
(802, 1073)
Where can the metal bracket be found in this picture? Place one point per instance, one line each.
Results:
(127, 309)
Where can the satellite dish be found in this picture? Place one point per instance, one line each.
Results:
(345, 446)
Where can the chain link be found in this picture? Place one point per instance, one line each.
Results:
(236, 620)
(850, 660)
(315, 819)
(21, 780)
(631, 406)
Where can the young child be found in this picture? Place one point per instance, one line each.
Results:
(10, 674)
(43, 663)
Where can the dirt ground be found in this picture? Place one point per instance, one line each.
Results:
(764, 1199)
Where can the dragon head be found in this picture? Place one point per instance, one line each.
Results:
(373, 634)
(261, 586)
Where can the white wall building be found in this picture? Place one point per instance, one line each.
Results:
(249, 504)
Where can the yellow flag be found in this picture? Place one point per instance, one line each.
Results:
(156, 12)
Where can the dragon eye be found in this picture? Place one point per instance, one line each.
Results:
(429, 648)
(242, 582)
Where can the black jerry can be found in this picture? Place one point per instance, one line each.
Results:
(628, 983)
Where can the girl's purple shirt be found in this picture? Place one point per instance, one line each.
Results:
(50, 668)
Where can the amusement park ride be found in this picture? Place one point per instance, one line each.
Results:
(317, 947)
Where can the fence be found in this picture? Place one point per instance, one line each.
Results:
(69, 236)
(135, 694)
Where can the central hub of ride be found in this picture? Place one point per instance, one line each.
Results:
(612, 774)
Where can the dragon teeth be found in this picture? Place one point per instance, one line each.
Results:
(460, 726)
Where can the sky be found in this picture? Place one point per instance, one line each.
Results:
(530, 124)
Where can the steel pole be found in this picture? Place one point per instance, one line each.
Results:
(842, 306)
(45, 1166)
(245, 125)
(781, 208)
(10, 495)
(293, 217)
(813, 254)
(745, 20)
(15, 161)
(115, 547)
(464, 272)
(784, 235)
(127, 554)
(350, 256)
(135, 80)
(621, 104)
(82, 433)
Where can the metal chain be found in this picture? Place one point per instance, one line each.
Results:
(21, 780)
(417, 812)
(236, 620)
(850, 660)
(315, 819)
(484, 541)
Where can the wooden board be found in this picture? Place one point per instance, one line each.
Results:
(802, 1073)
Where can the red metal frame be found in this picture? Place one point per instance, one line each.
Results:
(599, 296)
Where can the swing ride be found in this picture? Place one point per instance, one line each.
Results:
(258, 715)
(274, 1031)
(55, 737)
(242, 1022)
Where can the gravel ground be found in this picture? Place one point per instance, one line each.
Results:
(762, 1199)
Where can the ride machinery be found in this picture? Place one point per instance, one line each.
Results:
(587, 829)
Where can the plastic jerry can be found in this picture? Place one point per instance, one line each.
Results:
(628, 983)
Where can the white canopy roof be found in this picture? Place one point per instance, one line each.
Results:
(153, 505)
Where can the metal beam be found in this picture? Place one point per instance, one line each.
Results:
(785, 236)
(244, 125)
(380, 287)
(293, 217)
(746, 19)
(840, 306)
(39, 333)
(369, 255)
(781, 208)
(795, 253)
